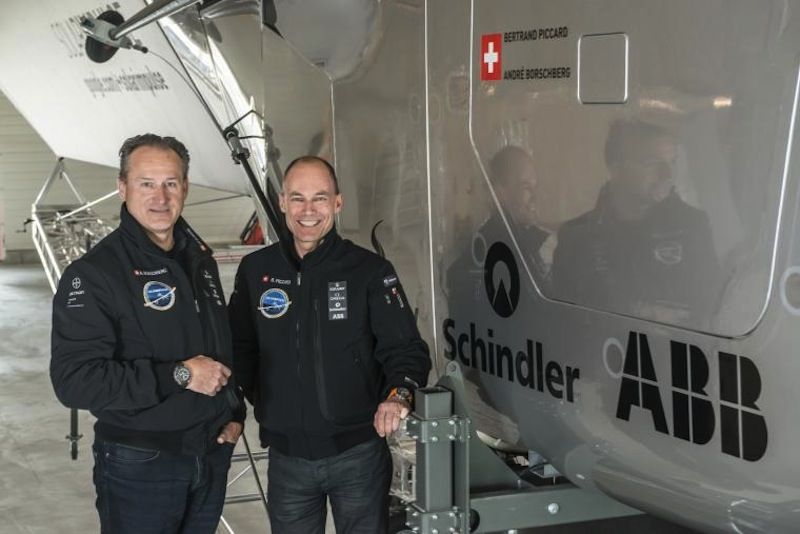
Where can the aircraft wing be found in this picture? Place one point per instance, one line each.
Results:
(85, 110)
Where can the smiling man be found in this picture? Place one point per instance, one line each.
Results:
(140, 338)
(327, 350)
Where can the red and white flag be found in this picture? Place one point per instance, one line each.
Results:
(491, 56)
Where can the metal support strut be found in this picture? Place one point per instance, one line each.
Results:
(269, 199)
(437, 432)
(463, 486)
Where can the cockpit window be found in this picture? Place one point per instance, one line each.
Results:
(663, 207)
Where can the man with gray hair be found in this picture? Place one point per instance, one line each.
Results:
(140, 338)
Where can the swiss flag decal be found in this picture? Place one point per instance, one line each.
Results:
(491, 56)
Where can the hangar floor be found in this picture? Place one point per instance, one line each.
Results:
(43, 491)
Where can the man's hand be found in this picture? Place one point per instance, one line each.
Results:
(208, 375)
(388, 416)
(230, 433)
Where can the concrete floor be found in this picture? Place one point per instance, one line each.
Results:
(40, 488)
(43, 491)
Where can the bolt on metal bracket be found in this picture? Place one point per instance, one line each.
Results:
(439, 522)
(443, 430)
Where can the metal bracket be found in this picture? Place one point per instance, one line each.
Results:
(462, 486)
(434, 430)
(440, 522)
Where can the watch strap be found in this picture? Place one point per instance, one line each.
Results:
(401, 393)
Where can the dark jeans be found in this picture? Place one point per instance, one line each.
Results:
(356, 481)
(155, 492)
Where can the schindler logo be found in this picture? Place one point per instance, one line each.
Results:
(501, 279)
(743, 430)
(522, 362)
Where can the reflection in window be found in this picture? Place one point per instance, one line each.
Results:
(642, 250)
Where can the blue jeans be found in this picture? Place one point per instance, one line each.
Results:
(356, 481)
(142, 491)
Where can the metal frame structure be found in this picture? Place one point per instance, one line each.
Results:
(463, 486)
(61, 234)
(64, 232)
(261, 495)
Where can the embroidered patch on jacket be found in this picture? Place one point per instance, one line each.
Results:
(213, 291)
(337, 301)
(76, 295)
(669, 252)
(390, 281)
(158, 295)
(279, 281)
(273, 303)
(154, 272)
(398, 297)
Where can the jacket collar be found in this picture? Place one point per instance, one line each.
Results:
(183, 234)
(316, 256)
(605, 211)
(532, 236)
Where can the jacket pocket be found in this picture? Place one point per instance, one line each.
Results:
(371, 377)
(344, 384)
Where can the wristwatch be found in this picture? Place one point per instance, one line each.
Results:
(182, 375)
(402, 393)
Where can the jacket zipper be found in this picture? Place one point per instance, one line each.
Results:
(318, 369)
(193, 273)
(191, 277)
(229, 390)
(297, 328)
(299, 355)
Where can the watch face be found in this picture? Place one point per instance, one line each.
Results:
(182, 375)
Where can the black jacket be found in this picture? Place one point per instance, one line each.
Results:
(123, 314)
(666, 258)
(319, 342)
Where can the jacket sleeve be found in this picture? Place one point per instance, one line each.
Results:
(245, 337)
(83, 368)
(399, 348)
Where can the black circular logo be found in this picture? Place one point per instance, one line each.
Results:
(501, 279)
